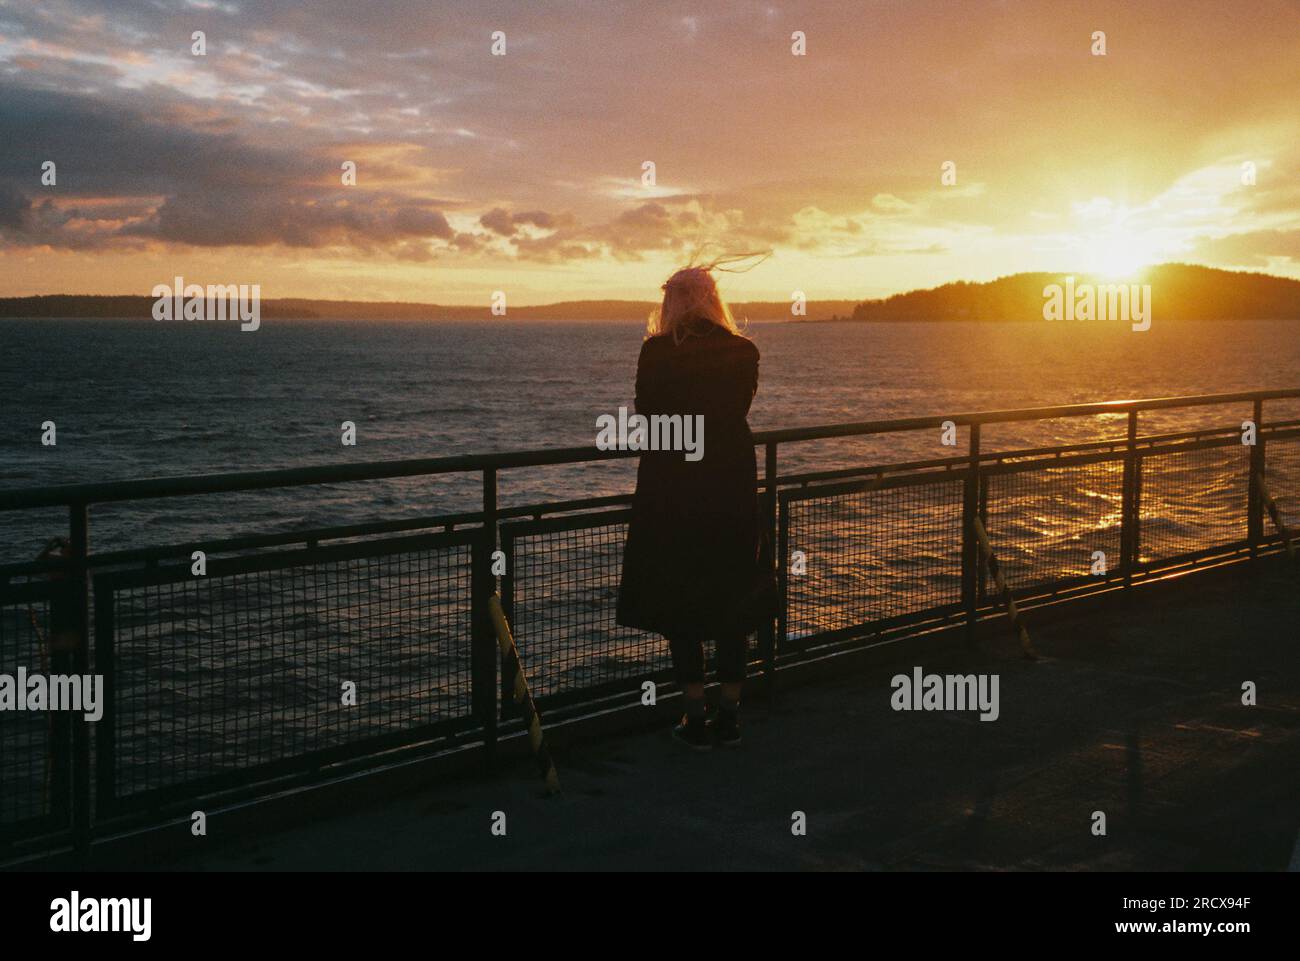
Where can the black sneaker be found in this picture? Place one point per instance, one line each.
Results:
(725, 726)
(694, 734)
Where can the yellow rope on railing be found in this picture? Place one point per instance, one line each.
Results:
(506, 640)
(1275, 514)
(986, 548)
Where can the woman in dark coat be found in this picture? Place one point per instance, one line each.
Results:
(692, 559)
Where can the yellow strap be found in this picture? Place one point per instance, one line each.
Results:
(1274, 514)
(1013, 612)
(506, 641)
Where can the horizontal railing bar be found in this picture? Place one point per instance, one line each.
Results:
(573, 522)
(313, 536)
(1277, 433)
(1005, 468)
(253, 541)
(281, 560)
(185, 485)
(951, 463)
(1182, 447)
(29, 593)
(1022, 414)
(1116, 445)
(560, 507)
(1058, 457)
(30, 569)
(788, 480)
(867, 486)
(1149, 439)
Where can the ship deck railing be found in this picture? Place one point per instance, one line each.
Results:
(230, 685)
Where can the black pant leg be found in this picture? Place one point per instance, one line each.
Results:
(688, 660)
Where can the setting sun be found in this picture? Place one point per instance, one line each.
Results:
(1119, 255)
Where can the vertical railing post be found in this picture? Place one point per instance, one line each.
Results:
(969, 544)
(783, 573)
(106, 726)
(62, 646)
(771, 634)
(1254, 502)
(1138, 468)
(484, 651)
(79, 612)
(981, 586)
(508, 708)
(1127, 513)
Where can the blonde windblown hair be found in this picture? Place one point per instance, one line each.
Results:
(691, 294)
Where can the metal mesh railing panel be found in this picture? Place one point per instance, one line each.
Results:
(1282, 477)
(26, 737)
(1046, 524)
(1192, 500)
(872, 555)
(563, 599)
(236, 672)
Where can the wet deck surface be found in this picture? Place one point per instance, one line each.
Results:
(1135, 712)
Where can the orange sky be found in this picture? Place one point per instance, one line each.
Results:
(523, 172)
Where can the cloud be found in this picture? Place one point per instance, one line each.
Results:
(678, 226)
(310, 218)
(538, 218)
(891, 204)
(1258, 248)
(500, 221)
(13, 207)
(185, 185)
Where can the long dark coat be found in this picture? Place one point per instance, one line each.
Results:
(692, 554)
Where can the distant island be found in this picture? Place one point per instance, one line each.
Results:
(126, 306)
(1178, 291)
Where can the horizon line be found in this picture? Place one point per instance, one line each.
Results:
(651, 303)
